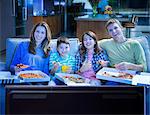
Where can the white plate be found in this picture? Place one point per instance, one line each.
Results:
(60, 76)
(114, 72)
(44, 79)
(141, 80)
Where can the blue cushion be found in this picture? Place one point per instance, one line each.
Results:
(11, 45)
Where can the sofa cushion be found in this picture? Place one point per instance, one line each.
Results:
(12, 43)
(74, 43)
(144, 43)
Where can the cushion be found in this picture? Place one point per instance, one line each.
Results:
(144, 43)
(74, 43)
(12, 43)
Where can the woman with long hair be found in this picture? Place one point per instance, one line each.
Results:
(33, 55)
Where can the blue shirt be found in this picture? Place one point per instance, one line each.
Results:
(35, 61)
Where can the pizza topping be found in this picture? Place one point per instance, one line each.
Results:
(22, 66)
(118, 75)
(30, 75)
(74, 79)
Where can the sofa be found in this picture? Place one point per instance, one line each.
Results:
(12, 43)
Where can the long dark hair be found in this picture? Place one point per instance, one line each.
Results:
(45, 43)
(83, 48)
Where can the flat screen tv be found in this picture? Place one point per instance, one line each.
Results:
(74, 100)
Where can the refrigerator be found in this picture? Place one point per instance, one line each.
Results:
(15, 19)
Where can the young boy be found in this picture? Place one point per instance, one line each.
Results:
(61, 60)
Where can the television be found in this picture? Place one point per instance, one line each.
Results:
(102, 100)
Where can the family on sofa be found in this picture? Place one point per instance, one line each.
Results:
(91, 55)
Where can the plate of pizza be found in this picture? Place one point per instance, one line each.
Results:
(112, 74)
(33, 76)
(72, 79)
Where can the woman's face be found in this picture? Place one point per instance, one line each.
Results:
(63, 49)
(88, 42)
(115, 31)
(39, 34)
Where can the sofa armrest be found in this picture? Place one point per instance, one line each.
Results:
(144, 43)
(11, 45)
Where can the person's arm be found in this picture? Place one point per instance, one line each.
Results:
(139, 57)
(46, 66)
(53, 64)
(129, 66)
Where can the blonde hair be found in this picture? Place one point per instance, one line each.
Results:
(111, 21)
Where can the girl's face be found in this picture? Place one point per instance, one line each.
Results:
(88, 42)
(39, 34)
(63, 49)
(115, 31)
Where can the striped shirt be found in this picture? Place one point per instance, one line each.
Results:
(68, 61)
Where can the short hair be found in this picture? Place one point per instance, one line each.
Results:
(111, 21)
(62, 39)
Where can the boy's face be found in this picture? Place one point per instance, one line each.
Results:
(63, 49)
(115, 31)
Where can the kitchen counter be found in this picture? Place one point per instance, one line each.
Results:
(99, 17)
(95, 24)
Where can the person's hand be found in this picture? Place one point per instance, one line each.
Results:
(123, 66)
(86, 66)
(20, 67)
(103, 63)
(56, 65)
(17, 69)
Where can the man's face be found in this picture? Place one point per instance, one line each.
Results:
(115, 31)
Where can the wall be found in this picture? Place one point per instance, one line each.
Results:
(0, 23)
(38, 7)
(7, 22)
